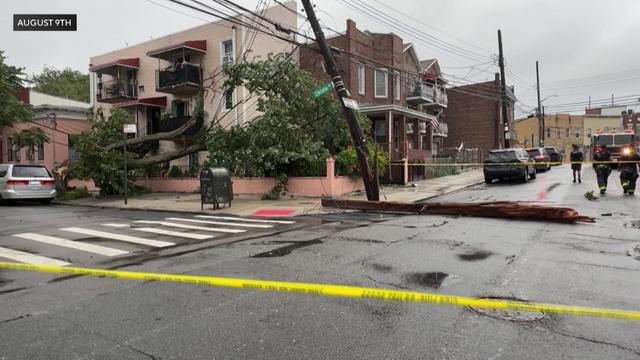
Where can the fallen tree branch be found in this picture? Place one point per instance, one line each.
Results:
(168, 156)
(193, 121)
(499, 209)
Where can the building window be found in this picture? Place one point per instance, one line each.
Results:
(548, 132)
(361, 80)
(396, 85)
(380, 131)
(193, 160)
(589, 132)
(9, 149)
(577, 132)
(558, 133)
(41, 151)
(381, 83)
(73, 154)
(226, 52)
(567, 132)
(17, 154)
(396, 134)
(228, 100)
(30, 154)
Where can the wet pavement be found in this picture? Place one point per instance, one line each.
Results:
(573, 264)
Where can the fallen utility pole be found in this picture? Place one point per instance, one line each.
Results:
(500, 209)
(371, 188)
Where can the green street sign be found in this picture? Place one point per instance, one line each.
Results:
(323, 89)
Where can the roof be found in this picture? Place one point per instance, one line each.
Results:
(160, 101)
(426, 64)
(133, 63)
(409, 47)
(199, 46)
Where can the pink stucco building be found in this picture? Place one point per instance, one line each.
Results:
(58, 117)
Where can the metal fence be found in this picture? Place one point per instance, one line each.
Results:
(452, 161)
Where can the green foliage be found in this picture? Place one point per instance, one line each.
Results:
(282, 181)
(67, 83)
(11, 110)
(175, 172)
(347, 161)
(29, 138)
(103, 167)
(74, 194)
(295, 130)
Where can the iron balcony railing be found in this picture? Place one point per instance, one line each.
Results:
(441, 130)
(427, 93)
(116, 89)
(186, 75)
(173, 123)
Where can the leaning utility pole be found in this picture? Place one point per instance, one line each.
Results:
(505, 119)
(540, 118)
(373, 194)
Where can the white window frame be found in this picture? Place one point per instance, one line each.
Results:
(386, 84)
(362, 82)
(223, 54)
(396, 85)
(224, 100)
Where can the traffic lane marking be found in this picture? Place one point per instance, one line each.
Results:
(162, 231)
(126, 238)
(221, 223)
(231, 218)
(334, 291)
(52, 240)
(28, 258)
(193, 227)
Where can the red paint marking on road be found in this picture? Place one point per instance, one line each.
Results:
(274, 212)
(541, 195)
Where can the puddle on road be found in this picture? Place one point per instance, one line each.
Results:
(286, 250)
(551, 187)
(430, 279)
(475, 256)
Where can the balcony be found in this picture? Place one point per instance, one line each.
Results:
(442, 130)
(427, 94)
(180, 81)
(173, 123)
(114, 91)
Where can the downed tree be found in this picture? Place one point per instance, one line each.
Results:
(498, 209)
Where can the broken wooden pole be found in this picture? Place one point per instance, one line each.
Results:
(499, 209)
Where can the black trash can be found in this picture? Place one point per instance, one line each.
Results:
(215, 187)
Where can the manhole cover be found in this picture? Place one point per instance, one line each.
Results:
(506, 314)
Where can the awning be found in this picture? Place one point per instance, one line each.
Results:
(183, 48)
(160, 101)
(383, 109)
(109, 68)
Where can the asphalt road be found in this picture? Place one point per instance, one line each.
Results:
(44, 316)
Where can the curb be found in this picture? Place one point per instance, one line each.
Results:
(449, 192)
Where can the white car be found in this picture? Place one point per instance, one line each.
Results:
(26, 182)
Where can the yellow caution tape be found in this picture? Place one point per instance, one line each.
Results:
(333, 290)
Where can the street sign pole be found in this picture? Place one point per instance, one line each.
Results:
(127, 129)
(124, 141)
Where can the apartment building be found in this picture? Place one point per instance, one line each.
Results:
(474, 116)
(561, 131)
(157, 80)
(400, 94)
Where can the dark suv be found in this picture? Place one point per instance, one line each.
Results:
(555, 156)
(509, 164)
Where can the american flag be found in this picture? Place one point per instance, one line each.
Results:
(434, 121)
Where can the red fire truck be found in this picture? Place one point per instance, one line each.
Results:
(617, 143)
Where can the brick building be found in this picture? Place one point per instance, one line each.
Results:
(385, 76)
(474, 115)
(561, 131)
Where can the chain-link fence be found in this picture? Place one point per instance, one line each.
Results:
(453, 161)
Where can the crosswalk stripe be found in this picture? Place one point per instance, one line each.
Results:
(101, 250)
(164, 232)
(127, 238)
(231, 218)
(221, 223)
(25, 257)
(184, 226)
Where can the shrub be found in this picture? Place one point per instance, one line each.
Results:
(175, 172)
(279, 189)
(347, 161)
(73, 194)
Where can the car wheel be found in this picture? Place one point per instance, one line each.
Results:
(533, 174)
(488, 180)
(45, 201)
(526, 175)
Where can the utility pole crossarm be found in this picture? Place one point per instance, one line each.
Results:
(349, 114)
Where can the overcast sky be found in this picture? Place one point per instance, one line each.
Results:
(572, 39)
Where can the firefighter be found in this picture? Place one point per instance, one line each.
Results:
(576, 163)
(630, 160)
(602, 165)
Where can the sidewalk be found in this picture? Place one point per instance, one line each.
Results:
(426, 189)
(251, 205)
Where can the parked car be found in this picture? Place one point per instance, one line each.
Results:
(556, 157)
(509, 164)
(541, 157)
(26, 182)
